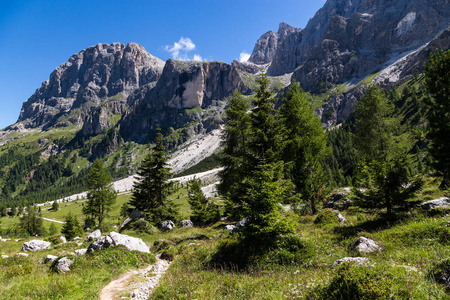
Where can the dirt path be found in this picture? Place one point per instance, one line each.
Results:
(148, 280)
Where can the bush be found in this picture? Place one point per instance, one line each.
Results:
(144, 226)
(246, 252)
(326, 216)
(357, 282)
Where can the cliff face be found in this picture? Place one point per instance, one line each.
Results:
(349, 39)
(183, 85)
(91, 76)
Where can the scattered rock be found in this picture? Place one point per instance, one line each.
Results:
(63, 239)
(62, 265)
(440, 202)
(76, 238)
(366, 245)
(341, 219)
(116, 239)
(230, 227)
(50, 258)
(186, 223)
(167, 225)
(80, 252)
(358, 260)
(22, 254)
(243, 222)
(36, 245)
(5, 256)
(339, 201)
(96, 234)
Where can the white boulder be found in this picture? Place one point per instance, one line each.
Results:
(62, 265)
(167, 225)
(80, 251)
(440, 202)
(36, 245)
(22, 254)
(186, 223)
(366, 245)
(63, 239)
(116, 239)
(96, 234)
(50, 258)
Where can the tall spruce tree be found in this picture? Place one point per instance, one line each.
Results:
(204, 212)
(101, 194)
(31, 222)
(437, 80)
(260, 187)
(234, 159)
(151, 193)
(383, 149)
(305, 145)
(71, 227)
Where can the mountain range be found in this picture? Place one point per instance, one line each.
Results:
(108, 95)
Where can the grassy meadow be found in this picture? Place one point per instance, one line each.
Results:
(414, 243)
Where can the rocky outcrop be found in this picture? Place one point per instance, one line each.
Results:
(96, 234)
(440, 202)
(350, 39)
(36, 245)
(91, 76)
(186, 223)
(167, 225)
(50, 258)
(116, 239)
(366, 245)
(177, 99)
(276, 48)
(62, 265)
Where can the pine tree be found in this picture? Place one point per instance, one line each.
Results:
(260, 188)
(234, 159)
(31, 222)
(55, 206)
(203, 211)
(101, 194)
(384, 149)
(52, 229)
(305, 145)
(151, 193)
(437, 80)
(71, 227)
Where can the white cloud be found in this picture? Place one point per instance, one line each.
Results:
(197, 57)
(244, 56)
(180, 49)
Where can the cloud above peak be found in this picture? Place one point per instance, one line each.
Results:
(244, 56)
(179, 50)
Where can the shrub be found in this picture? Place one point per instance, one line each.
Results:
(144, 226)
(357, 282)
(326, 216)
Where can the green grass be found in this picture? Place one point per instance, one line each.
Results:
(414, 243)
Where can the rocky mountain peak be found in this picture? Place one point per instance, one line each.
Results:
(91, 76)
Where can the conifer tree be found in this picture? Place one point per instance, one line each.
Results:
(151, 193)
(260, 186)
(31, 222)
(305, 145)
(101, 194)
(437, 80)
(55, 206)
(204, 212)
(52, 230)
(71, 227)
(384, 149)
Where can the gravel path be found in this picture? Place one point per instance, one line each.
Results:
(148, 280)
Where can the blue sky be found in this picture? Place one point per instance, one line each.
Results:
(37, 36)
